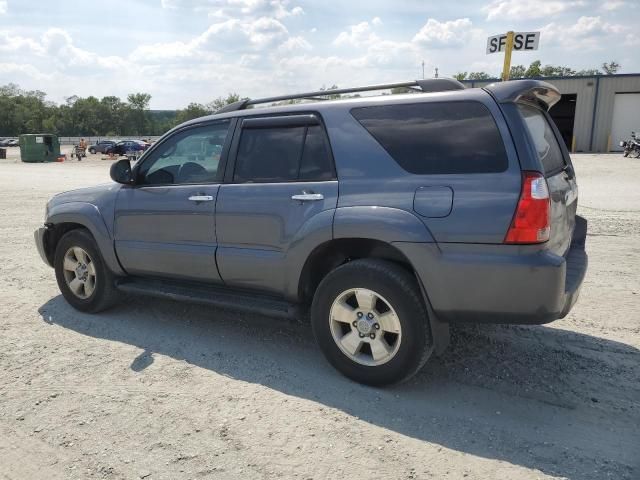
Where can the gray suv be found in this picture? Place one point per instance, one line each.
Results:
(386, 217)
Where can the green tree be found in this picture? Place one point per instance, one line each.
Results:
(220, 102)
(479, 76)
(137, 115)
(534, 69)
(611, 68)
(193, 110)
(460, 76)
(517, 71)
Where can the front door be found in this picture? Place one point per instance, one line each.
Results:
(283, 176)
(165, 222)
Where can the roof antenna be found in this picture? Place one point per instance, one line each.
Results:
(423, 69)
(436, 73)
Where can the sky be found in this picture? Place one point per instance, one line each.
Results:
(183, 51)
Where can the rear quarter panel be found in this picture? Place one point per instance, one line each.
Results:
(483, 204)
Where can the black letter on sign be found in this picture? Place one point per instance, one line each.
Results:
(528, 45)
(493, 45)
(503, 40)
(517, 42)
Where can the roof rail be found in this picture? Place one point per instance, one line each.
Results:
(428, 85)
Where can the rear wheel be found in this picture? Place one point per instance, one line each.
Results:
(83, 278)
(370, 322)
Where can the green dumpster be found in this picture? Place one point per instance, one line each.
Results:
(39, 147)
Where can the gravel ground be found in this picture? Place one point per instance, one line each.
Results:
(161, 390)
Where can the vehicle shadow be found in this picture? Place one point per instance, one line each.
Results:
(540, 397)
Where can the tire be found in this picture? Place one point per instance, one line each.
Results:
(92, 151)
(86, 299)
(394, 287)
(626, 153)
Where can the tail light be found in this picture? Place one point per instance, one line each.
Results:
(531, 222)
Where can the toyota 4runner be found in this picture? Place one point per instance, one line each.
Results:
(386, 217)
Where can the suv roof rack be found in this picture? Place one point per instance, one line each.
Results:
(426, 86)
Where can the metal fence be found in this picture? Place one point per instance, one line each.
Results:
(94, 140)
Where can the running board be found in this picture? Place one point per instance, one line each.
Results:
(211, 295)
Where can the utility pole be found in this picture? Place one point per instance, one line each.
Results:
(423, 69)
(436, 72)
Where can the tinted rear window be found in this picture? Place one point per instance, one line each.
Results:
(437, 138)
(544, 140)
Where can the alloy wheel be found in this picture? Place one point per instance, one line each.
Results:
(365, 326)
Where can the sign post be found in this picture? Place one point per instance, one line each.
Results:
(506, 68)
(509, 42)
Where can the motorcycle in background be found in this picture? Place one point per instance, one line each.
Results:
(631, 146)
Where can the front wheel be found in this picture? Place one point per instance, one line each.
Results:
(92, 151)
(83, 278)
(370, 322)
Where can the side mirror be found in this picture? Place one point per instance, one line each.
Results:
(121, 172)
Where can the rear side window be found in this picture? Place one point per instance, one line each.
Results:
(544, 140)
(316, 164)
(437, 138)
(283, 154)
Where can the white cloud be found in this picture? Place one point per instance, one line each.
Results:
(17, 45)
(59, 46)
(585, 33)
(55, 46)
(237, 8)
(229, 36)
(527, 9)
(293, 44)
(631, 40)
(611, 5)
(444, 34)
(357, 36)
(376, 21)
(3, 6)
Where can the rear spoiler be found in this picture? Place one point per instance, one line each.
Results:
(532, 91)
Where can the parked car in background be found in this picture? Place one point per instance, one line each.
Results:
(9, 142)
(124, 146)
(101, 146)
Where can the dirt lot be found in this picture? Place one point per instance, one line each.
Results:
(161, 390)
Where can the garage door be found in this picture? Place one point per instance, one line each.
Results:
(626, 118)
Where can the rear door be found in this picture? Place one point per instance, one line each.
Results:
(559, 173)
(281, 176)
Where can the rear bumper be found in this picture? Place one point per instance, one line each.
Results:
(500, 283)
(40, 237)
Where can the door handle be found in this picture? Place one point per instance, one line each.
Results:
(201, 198)
(307, 197)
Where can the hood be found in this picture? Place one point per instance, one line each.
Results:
(95, 195)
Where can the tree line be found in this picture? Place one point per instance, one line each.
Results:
(537, 70)
(28, 111)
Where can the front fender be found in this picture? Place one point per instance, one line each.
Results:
(89, 216)
(380, 223)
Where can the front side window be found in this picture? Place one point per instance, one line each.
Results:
(191, 156)
(283, 154)
(437, 137)
(544, 140)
